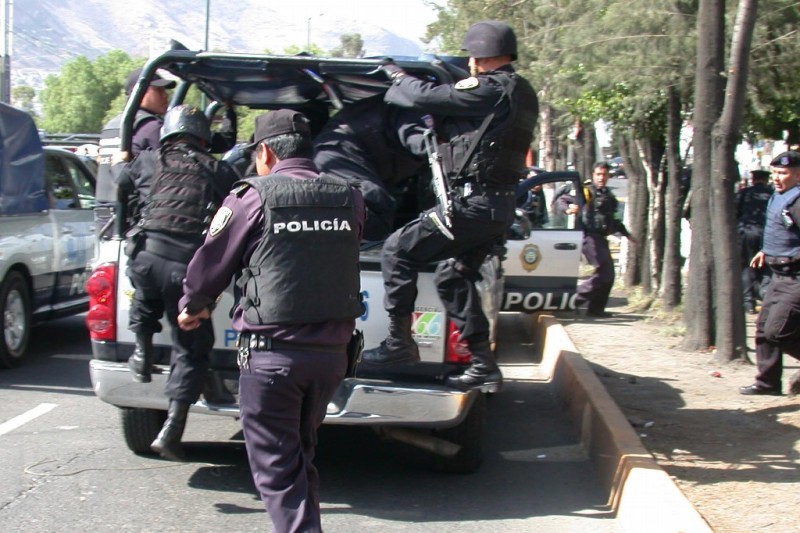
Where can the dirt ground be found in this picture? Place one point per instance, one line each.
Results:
(737, 458)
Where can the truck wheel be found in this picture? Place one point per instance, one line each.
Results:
(15, 308)
(469, 435)
(141, 427)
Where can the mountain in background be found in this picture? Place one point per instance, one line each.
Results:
(49, 33)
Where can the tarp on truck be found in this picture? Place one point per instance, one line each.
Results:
(22, 188)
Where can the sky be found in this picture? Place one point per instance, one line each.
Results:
(407, 18)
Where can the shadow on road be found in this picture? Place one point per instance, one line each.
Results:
(57, 360)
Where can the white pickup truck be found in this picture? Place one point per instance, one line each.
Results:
(46, 232)
(539, 269)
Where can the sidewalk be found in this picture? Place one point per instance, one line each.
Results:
(737, 458)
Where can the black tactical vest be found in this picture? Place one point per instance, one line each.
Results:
(598, 217)
(182, 198)
(500, 160)
(305, 269)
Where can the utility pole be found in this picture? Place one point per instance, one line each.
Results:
(5, 75)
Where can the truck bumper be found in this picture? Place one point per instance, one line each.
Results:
(357, 402)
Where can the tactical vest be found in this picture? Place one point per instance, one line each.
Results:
(499, 160)
(781, 233)
(182, 199)
(305, 269)
(599, 214)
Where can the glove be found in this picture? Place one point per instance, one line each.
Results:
(391, 70)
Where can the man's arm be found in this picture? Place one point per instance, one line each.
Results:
(477, 102)
(222, 254)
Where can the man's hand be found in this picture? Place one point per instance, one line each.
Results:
(188, 322)
(391, 70)
(119, 156)
(572, 209)
(757, 261)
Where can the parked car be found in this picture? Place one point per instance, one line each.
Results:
(46, 233)
(536, 271)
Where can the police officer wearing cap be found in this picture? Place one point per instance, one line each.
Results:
(776, 326)
(751, 215)
(148, 121)
(294, 236)
(488, 121)
(182, 185)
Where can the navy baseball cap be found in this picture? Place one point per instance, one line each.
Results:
(157, 81)
(786, 160)
(279, 122)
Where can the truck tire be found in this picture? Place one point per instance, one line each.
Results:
(15, 308)
(141, 427)
(469, 435)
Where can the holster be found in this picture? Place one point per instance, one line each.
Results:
(135, 238)
(354, 349)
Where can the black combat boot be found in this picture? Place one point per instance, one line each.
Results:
(141, 362)
(399, 346)
(483, 374)
(168, 442)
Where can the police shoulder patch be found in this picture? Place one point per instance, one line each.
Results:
(220, 220)
(467, 84)
(239, 188)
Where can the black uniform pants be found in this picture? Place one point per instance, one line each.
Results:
(777, 329)
(479, 223)
(283, 398)
(596, 290)
(159, 285)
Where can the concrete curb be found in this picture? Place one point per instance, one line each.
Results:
(639, 491)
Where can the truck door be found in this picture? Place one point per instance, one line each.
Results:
(543, 258)
(71, 196)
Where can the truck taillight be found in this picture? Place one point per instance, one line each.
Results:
(101, 318)
(457, 350)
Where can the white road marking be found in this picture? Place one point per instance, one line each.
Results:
(24, 418)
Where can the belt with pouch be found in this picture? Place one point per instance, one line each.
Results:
(262, 343)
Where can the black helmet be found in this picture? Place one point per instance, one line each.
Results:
(186, 119)
(490, 38)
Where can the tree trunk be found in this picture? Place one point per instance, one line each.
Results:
(547, 139)
(698, 314)
(637, 211)
(730, 306)
(671, 274)
(652, 155)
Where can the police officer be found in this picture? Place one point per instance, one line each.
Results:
(751, 215)
(776, 328)
(294, 236)
(488, 125)
(183, 186)
(377, 145)
(600, 219)
(148, 121)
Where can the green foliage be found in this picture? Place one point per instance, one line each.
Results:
(22, 98)
(85, 94)
(313, 49)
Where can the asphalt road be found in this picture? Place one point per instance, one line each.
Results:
(65, 467)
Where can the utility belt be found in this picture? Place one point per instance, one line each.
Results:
(784, 266)
(167, 251)
(261, 343)
(471, 188)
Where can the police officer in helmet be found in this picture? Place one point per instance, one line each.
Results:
(182, 185)
(487, 125)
